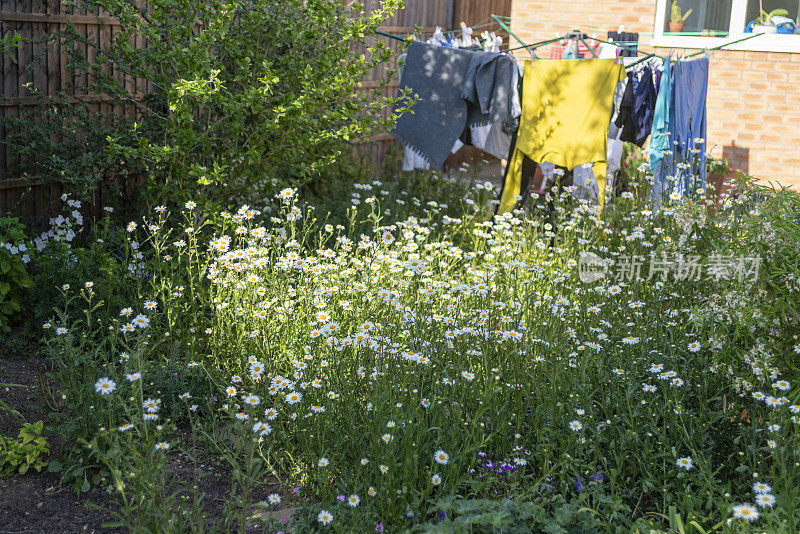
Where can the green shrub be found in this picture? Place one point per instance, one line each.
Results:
(26, 452)
(254, 96)
(14, 277)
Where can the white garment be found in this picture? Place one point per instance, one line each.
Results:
(607, 51)
(413, 160)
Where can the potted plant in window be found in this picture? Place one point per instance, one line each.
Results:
(764, 22)
(676, 18)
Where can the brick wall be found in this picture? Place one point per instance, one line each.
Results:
(753, 97)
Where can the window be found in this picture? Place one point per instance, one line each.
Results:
(706, 18)
(792, 6)
(715, 22)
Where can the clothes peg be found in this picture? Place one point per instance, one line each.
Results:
(466, 35)
(621, 28)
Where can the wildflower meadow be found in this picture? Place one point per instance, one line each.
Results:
(425, 366)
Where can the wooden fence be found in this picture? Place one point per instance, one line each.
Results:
(49, 75)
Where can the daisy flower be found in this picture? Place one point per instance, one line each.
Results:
(274, 498)
(685, 462)
(765, 500)
(161, 446)
(761, 487)
(782, 385)
(105, 386)
(436, 480)
(353, 500)
(441, 457)
(575, 426)
(262, 428)
(325, 517)
(746, 512)
(252, 400)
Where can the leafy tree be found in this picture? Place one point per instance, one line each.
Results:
(249, 95)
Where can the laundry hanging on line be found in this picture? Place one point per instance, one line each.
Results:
(445, 124)
(457, 89)
(628, 38)
(566, 106)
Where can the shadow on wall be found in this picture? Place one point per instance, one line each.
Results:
(738, 157)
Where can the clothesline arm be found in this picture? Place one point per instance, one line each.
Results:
(393, 36)
(645, 58)
(534, 46)
(589, 47)
(512, 34)
(726, 44)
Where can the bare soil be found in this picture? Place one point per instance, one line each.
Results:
(37, 502)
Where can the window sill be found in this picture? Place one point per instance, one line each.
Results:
(762, 43)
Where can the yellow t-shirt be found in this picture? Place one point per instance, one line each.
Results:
(566, 108)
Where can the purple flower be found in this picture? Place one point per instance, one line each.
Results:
(598, 477)
(296, 489)
(340, 498)
(579, 484)
(379, 527)
(442, 517)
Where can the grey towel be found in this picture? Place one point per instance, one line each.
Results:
(438, 75)
(487, 86)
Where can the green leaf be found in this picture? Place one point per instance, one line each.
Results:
(54, 466)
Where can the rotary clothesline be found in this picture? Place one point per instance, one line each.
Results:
(476, 99)
(576, 35)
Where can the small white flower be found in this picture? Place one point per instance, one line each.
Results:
(782, 385)
(441, 457)
(325, 517)
(745, 511)
(105, 386)
(765, 500)
(685, 462)
(761, 487)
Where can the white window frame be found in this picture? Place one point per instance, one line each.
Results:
(761, 43)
